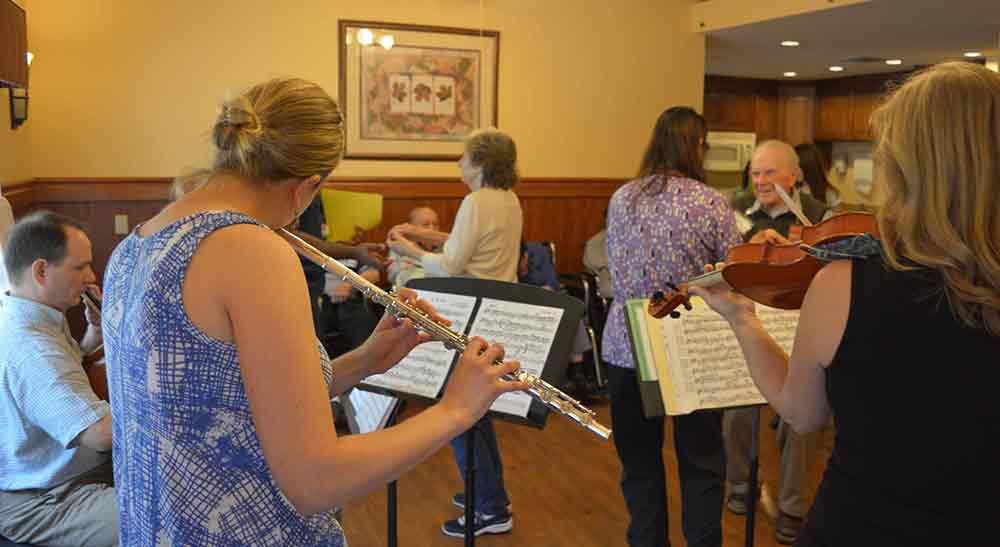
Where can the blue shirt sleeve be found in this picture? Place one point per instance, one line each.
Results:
(55, 395)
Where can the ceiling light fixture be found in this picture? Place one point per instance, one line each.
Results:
(836, 69)
(973, 54)
(894, 61)
(791, 74)
(789, 43)
(386, 41)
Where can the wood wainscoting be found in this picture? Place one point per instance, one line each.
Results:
(566, 211)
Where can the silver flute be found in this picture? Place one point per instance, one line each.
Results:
(537, 388)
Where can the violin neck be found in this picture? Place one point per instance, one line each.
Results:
(706, 279)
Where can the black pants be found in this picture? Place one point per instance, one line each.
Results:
(701, 460)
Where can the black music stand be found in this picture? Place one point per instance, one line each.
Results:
(553, 370)
(752, 490)
(392, 409)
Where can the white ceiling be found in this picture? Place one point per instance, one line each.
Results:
(920, 32)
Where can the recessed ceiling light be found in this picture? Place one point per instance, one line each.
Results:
(836, 68)
(789, 43)
(894, 61)
(973, 54)
(790, 74)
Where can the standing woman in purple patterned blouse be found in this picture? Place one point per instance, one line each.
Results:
(663, 227)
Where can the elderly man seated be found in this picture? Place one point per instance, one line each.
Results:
(56, 484)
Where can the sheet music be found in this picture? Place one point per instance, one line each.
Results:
(425, 369)
(371, 410)
(526, 332)
(704, 364)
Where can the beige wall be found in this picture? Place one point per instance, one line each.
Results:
(15, 146)
(123, 88)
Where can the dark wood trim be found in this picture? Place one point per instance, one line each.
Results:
(342, 26)
(85, 190)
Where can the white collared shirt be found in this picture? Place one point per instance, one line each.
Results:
(45, 399)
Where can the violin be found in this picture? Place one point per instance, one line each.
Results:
(773, 275)
(93, 363)
(97, 372)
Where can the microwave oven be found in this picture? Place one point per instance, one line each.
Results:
(729, 150)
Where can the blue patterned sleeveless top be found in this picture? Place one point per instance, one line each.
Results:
(189, 469)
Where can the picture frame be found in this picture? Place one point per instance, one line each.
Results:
(415, 92)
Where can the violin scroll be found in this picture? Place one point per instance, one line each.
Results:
(661, 305)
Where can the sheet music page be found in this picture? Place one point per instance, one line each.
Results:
(371, 409)
(526, 332)
(705, 363)
(425, 369)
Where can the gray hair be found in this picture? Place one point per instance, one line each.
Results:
(495, 153)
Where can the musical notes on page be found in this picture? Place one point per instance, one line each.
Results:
(368, 411)
(526, 332)
(425, 369)
(699, 361)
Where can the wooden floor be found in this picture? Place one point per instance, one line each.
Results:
(563, 484)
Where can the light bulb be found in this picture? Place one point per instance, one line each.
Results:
(790, 43)
(30, 57)
(366, 37)
(894, 62)
(791, 74)
(973, 54)
(836, 68)
(386, 41)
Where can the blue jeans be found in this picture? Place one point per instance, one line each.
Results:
(490, 495)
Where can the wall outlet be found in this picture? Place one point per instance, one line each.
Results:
(121, 225)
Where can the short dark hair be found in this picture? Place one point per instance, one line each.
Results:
(41, 234)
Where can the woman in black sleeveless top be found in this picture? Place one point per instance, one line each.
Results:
(903, 348)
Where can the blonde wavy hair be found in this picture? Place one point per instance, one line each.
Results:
(938, 153)
(278, 129)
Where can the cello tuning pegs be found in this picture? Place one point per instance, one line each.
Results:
(675, 314)
(687, 305)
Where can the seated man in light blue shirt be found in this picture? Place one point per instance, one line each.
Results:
(56, 485)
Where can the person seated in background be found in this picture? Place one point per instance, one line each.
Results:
(56, 481)
(402, 268)
(814, 170)
(595, 258)
(536, 268)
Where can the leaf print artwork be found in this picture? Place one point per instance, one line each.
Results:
(399, 91)
(419, 93)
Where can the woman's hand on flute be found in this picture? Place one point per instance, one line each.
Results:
(475, 382)
(393, 338)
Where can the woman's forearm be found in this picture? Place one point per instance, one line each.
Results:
(348, 370)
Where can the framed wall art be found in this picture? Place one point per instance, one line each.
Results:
(413, 92)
